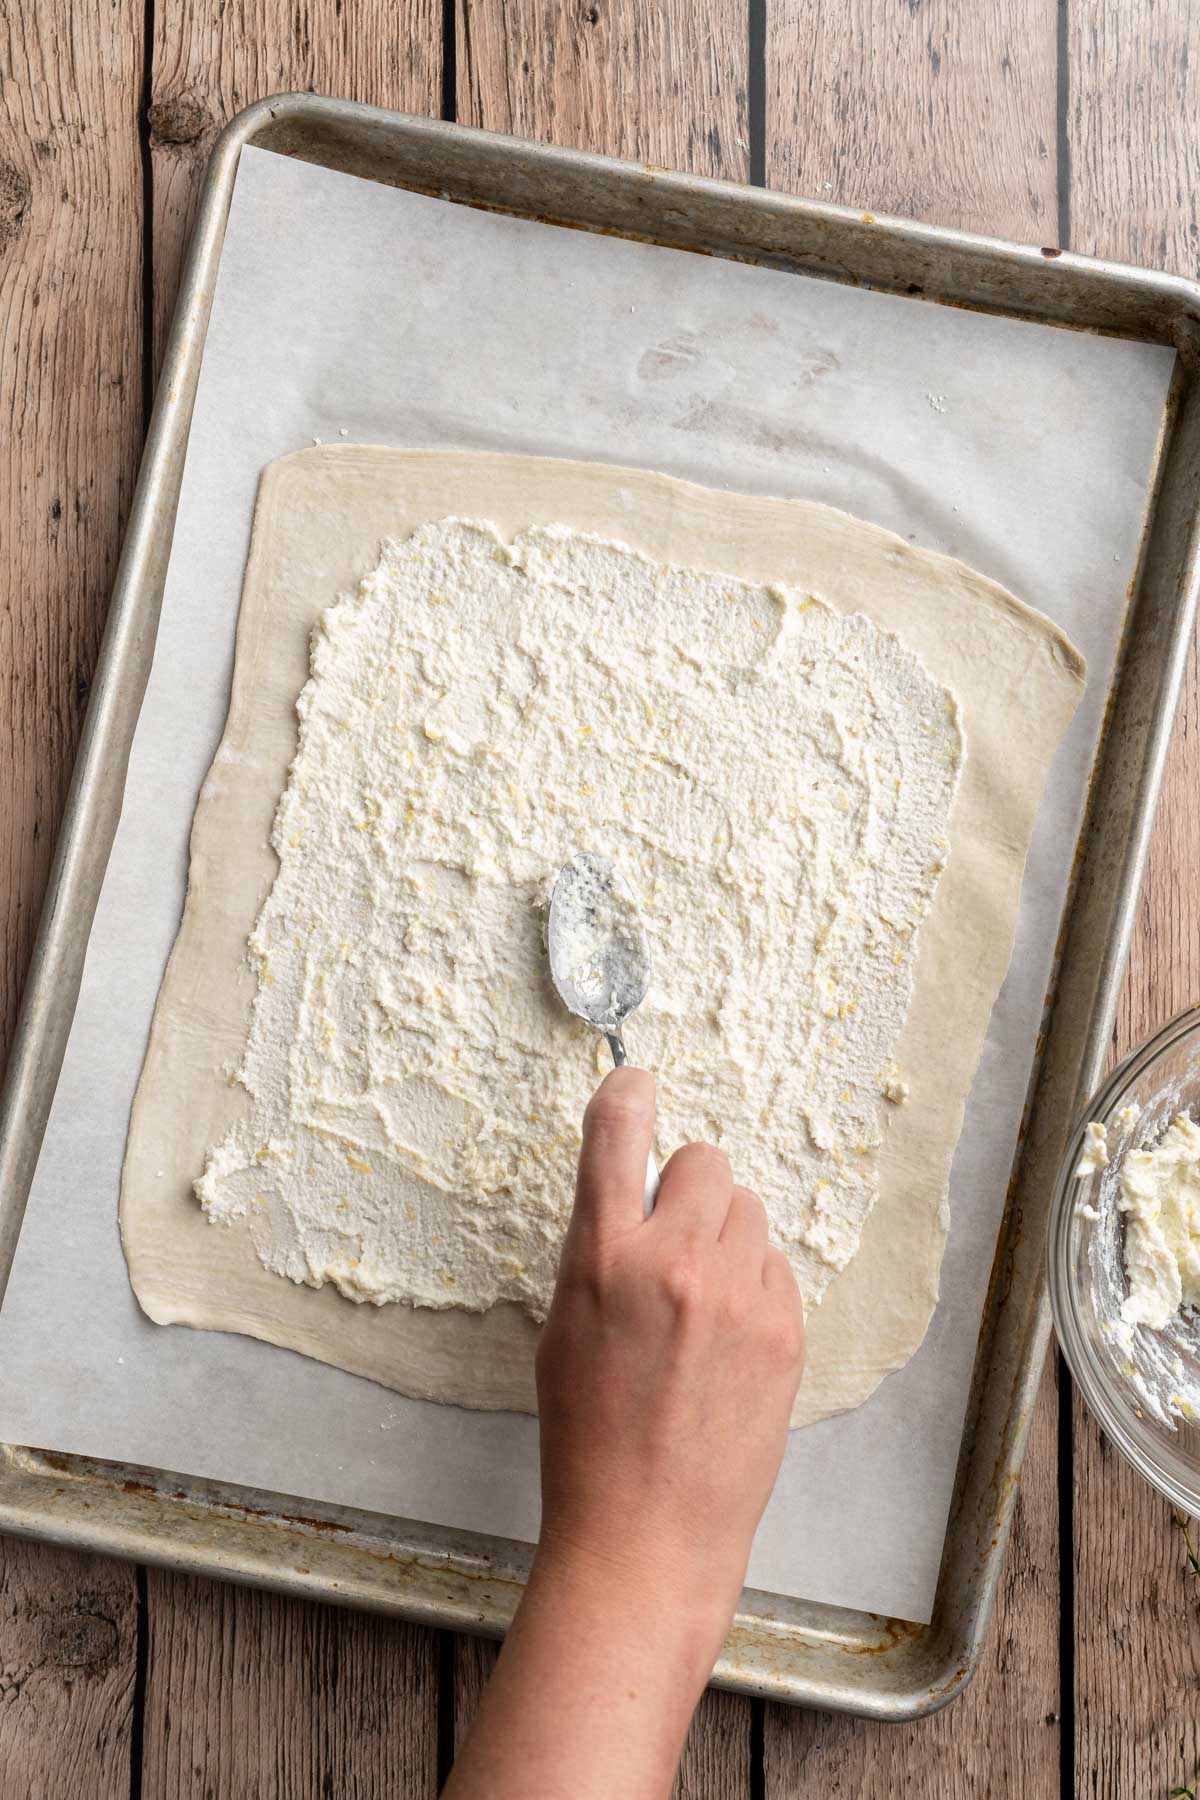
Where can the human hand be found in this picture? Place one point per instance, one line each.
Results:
(666, 1370)
(666, 1374)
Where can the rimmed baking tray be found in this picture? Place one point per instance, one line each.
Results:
(789, 1650)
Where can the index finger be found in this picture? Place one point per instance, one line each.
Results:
(618, 1133)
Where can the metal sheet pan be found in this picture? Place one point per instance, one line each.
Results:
(788, 1650)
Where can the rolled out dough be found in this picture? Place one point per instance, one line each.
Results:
(319, 522)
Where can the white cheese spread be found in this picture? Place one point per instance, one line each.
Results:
(1094, 1154)
(772, 779)
(1160, 1196)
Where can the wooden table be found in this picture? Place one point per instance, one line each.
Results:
(1050, 121)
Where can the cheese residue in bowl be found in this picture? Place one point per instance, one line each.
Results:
(1160, 1197)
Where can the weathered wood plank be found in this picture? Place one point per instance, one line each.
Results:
(1134, 137)
(1002, 1737)
(254, 1696)
(68, 1650)
(70, 426)
(666, 84)
(474, 1660)
(936, 111)
(247, 1694)
(213, 57)
(716, 1757)
(947, 114)
(656, 80)
(70, 407)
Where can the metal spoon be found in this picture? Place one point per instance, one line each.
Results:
(599, 957)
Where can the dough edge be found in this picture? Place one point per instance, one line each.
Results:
(320, 517)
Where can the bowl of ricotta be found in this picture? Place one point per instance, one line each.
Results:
(1125, 1259)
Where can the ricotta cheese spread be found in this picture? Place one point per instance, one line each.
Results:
(1160, 1196)
(773, 780)
(1094, 1154)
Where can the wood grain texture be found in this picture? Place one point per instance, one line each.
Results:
(933, 110)
(250, 1696)
(70, 407)
(1134, 139)
(1002, 1737)
(1133, 108)
(68, 1628)
(948, 114)
(660, 81)
(474, 1660)
(70, 426)
(716, 1756)
(213, 57)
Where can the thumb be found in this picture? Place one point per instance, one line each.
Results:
(618, 1133)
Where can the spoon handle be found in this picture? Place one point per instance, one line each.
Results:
(650, 1192)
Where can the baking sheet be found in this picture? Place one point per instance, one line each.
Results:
(347, 310)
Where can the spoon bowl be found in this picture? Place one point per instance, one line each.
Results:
(599, 957)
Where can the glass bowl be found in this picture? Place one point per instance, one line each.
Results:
(1143, 1386)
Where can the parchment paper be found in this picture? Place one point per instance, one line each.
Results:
(348, 308)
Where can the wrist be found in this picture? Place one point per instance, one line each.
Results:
(639, 1588)
(598, 1680)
